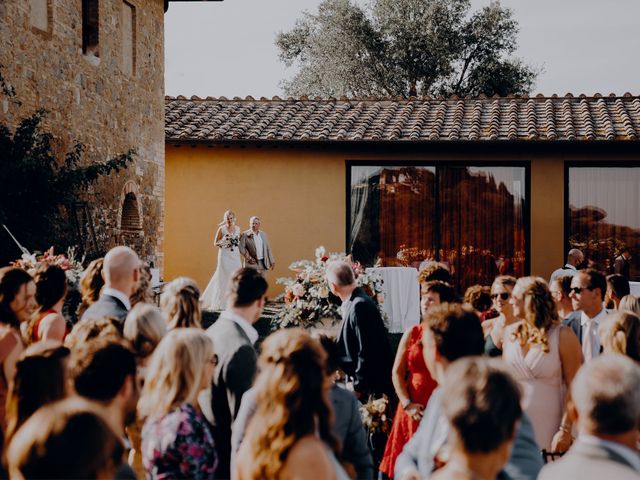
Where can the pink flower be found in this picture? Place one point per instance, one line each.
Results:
(298, 290)
(185, 429)
(195, 451)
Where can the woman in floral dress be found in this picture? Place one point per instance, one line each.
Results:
(176, 440)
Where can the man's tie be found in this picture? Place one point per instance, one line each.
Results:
(587, 345)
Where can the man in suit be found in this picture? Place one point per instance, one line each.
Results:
(622, 263)
(364, 350)
(255, 248)
(121, 272)
(452, 332)
(574, 258)
(605, 402)
(233, 338)
(588, 289)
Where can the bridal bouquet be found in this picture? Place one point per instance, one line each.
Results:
(229, 241)
(374, 415)
(69, 263)
(307, 298)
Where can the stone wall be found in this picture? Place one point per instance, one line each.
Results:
(110, 101)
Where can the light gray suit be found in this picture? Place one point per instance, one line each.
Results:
(248, 250)
(232, 377)
(585, 461)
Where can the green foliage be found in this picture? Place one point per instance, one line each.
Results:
(404, 48)
(36, 187)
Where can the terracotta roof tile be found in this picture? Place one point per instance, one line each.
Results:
(536, 118)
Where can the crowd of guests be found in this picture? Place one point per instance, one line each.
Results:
(490, 385)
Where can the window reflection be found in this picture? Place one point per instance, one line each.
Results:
(603, 215)
(470, 218)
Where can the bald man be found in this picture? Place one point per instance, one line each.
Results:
(120, 272)
(574, 259)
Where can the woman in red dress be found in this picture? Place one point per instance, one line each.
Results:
(413, 385)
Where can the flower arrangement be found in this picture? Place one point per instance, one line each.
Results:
(307, 297)
(374, 415)
(69, 263)
(229, 241)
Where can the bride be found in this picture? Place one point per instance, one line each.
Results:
(227, 240)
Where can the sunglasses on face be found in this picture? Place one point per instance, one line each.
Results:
(578, 290)
(503, 295)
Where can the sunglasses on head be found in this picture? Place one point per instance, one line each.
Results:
(503, 295)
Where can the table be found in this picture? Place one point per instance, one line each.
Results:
(401, 296)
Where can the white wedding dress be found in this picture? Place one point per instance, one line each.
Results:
(214, 296)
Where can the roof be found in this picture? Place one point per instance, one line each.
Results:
(540, 118)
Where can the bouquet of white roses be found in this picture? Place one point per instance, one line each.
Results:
(374, 415)
(229, 241)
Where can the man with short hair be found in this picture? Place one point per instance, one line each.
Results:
(574, 259)
(364, 350)
(452, 332)
(622, 263)
(435, 292)
(233, 338)
(617, 288)
(605, 402)
(104, 371)
(588, 288)
(121, 272)
(255, 248)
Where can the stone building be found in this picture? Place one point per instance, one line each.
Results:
(97, 67)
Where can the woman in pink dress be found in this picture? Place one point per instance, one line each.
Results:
(413, 385)
(543, 355)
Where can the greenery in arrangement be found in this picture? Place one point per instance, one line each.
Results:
(404, 48)
(38, 187)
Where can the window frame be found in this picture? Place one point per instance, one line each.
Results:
(526, 211)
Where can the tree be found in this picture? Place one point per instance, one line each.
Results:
(404, 48)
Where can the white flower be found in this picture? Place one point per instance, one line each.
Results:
(323, 291)
(320, 251)
(298, 290)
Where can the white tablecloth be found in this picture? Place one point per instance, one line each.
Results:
(401, 296)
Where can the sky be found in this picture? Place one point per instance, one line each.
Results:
(227, 48)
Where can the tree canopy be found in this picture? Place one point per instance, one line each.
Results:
(404, 48)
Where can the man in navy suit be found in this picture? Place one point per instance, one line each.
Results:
(587, 293)
(121, 273)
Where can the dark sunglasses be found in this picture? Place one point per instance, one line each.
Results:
(503, 295)
(578, 290)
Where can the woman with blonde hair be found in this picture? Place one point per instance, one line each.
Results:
(176, 441)
(180, 301)
(630, 303)
(544, 356)
(290, 434)
(494, 328)
(620, 333)
(90, 285)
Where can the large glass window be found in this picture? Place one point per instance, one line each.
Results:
(469, 217)
(603, 214)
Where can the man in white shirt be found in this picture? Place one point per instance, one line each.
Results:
(255, 248)
(121, 273)
(588, 288)
(233, 338)
(574, 259)
(605, 402)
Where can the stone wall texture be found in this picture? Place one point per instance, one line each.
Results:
(110, 101)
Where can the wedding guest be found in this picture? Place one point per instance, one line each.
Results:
(452, 332)
(560, 289)
(180, 301)
(90, 285)
(588, 289)
(104, 371)
(365, 352)
(176, 441)
(575, 258)
(347, 426)
(606, 403)
(435, 292)
(620, 333)
(88, 329)
(121, 273)
(144, 292)
(494, 328)
(67, 439)
(40, 379)
(143, 329)
(413, 385)
(617, 288)
(234, 337)
(17, 304)
(435, 271)
(482, 411)
(51, 291)
(622, 263)
(479, 297)
(290, 434)
(630, 303)
(543, 355)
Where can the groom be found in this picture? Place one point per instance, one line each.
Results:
(255, 248)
